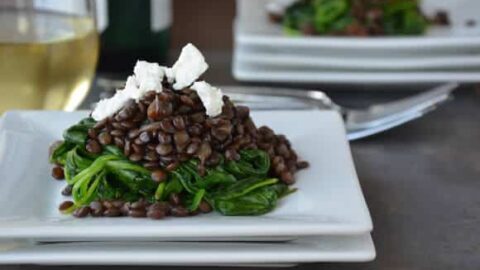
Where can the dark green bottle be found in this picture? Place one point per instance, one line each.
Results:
(136, 29)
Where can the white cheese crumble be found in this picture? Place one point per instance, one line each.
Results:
(189, 67)
(149, 76)
(210, 96)
(107, 107)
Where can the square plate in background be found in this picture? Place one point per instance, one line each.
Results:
(263, 53)
(329, 200)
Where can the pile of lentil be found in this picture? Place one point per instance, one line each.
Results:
(163, 130)
(167, 128)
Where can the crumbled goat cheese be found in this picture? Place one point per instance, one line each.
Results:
(149, 76)
(211, 97)
(109, 106)
(189, 67)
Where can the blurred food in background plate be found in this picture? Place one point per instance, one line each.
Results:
(353, 18)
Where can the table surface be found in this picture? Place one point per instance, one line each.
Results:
(421, 182)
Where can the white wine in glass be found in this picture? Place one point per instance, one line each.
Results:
(48, 53)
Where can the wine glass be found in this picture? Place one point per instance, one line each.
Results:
(48, 53)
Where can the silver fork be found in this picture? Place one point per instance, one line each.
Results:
(359, 123)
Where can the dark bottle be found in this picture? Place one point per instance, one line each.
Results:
(136, 29)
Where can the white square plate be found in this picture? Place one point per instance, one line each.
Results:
(329, 199)
(357, 248)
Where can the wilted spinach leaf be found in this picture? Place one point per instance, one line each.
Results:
(252, 162)
(78, 134)
(257, 202)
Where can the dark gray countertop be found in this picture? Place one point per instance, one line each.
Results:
(421, 182)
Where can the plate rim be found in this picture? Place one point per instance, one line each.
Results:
(268, 59)
(313, 249)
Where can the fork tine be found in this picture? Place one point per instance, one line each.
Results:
(355, 134)
(424, 97)
(365, 132)
(382, 113)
